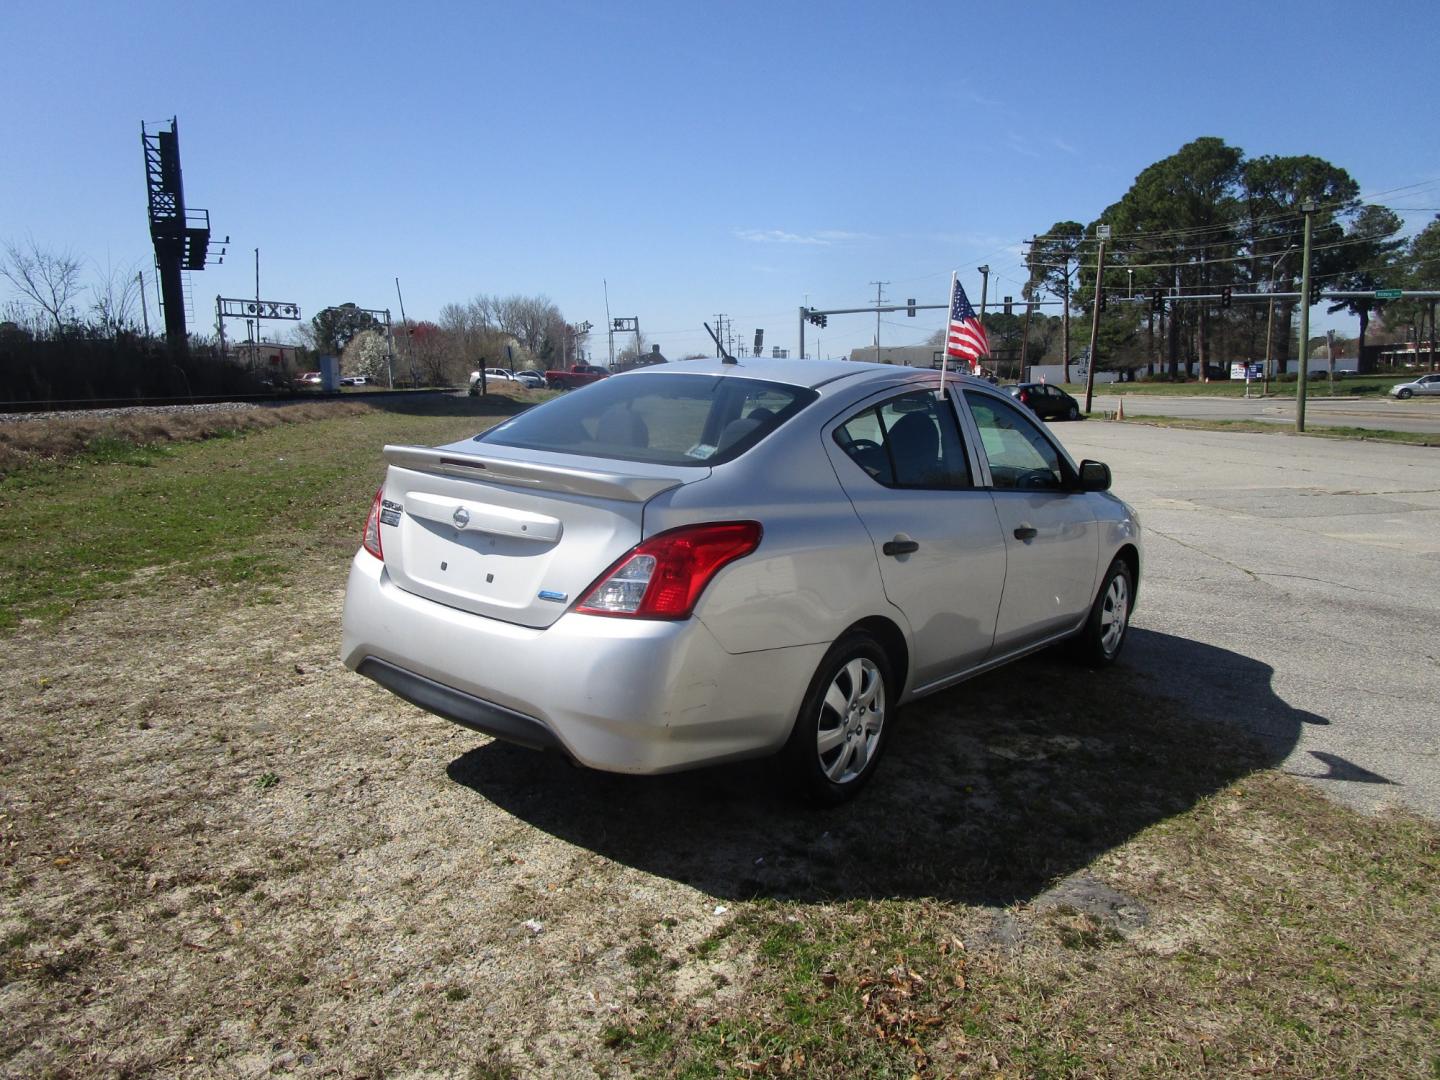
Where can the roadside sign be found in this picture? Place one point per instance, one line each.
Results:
(1389, 294)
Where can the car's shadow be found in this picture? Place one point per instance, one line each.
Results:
(988, 793)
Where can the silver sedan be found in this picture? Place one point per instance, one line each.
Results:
(670, 568)
(1425, 384)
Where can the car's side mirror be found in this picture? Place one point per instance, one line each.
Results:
(1094, 476)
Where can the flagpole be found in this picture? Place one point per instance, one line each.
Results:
(945, 356)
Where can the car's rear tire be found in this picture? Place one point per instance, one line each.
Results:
(842, 728)
(1404, 393)
(1109, 622)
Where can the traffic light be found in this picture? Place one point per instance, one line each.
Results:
(1225, 297)
(1314, 293)
(824, 320)
(1009, 305)
(1157, 299)
(817, 318)
(1104, 298)
(910, 307)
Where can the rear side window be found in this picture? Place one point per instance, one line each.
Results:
(664, 418)
(911, 441)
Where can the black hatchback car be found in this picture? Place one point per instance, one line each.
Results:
(1045, 401)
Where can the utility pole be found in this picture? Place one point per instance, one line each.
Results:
(1103, 232)
(984, 291)
(257, 301)
(409, 333)
(1065, 318)
(1432, 337)
(145, 309)
(879, 299)
(1025, 337)
(610, 323)
(1308, 209)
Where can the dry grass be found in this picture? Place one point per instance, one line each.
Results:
(54, 441)
(30, 442)
(223, 854)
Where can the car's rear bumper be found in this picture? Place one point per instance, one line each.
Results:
(625, 695)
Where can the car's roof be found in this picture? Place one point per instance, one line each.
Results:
(808, 373)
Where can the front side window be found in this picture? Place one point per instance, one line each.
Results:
(911, 441)
(663, 418)
(1020, 455)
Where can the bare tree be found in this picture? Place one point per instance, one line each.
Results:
(48, 279)
(115, 298)
(637, 346)
(530, 320)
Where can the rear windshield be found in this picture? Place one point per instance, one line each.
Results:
(664, 418)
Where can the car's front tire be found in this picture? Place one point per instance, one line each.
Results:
(842, 728)
(1072, 413)
(1109, 622)
(1404, 392)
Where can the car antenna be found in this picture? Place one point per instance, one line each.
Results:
(725, 357)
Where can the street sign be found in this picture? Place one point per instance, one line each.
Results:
(1388, 294)
(1102, 231)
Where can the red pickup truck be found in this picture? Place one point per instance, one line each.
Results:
(578, 375)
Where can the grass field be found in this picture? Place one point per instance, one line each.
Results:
(1261, 427)
(223, 854)
(1348, 386)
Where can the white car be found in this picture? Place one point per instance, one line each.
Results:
(674, 567)
(1426, 384)
(531, 379)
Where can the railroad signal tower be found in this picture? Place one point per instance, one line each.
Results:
(181, 235)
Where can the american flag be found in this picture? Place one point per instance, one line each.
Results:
(965, 339)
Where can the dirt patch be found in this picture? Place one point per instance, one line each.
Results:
(223, 854)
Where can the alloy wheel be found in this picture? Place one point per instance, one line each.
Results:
(1114, 613)
(851, 718)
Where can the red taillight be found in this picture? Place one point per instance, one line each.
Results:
(664, 577)
(1024, 397)
(370, 539)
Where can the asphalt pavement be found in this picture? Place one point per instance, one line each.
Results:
(1314, 563)
(1321, 409)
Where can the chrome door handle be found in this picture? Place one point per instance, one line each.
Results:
(900, 547)
(1026, 532)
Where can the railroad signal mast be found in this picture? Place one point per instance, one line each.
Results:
(181, 235)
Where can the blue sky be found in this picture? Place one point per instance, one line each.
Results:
(702, 158)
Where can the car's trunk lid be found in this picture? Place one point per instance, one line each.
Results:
(511, 538)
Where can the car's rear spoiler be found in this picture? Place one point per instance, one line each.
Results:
(630, 487)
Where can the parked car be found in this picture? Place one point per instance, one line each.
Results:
(1045, 401)
(493, 374)
(309, 378)
(578, 375)
(1426, 384)
(354, 380)
(532, 380)
(671, 568)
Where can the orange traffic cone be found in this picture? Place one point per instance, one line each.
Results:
(1120, 412)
